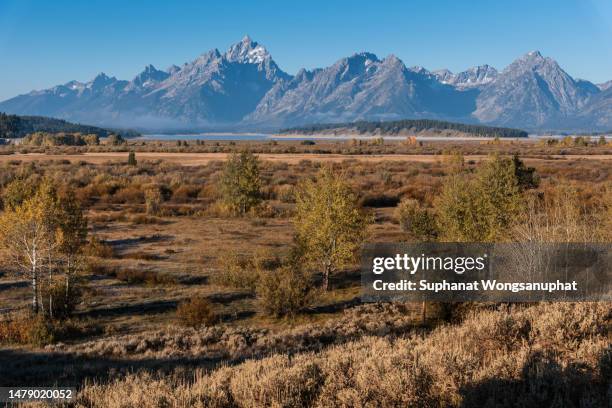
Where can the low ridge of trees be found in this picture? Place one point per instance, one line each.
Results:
(14, 126)
(60, 139)
(390, 128)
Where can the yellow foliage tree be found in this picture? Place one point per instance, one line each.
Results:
(29, 235)
(329, 225)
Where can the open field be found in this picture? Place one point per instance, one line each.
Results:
(198, 159)
(142, 262)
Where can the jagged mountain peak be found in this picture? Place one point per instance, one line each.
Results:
(244, 86)
(535, 54)
(392, 61)
(101, 80)
(172, 69)
(149, 76)
(247, 51)
(150, 69)
(365, 56)
(101, 77)
(419, 70)
(534, 90)
(206, 58)
(532, 60)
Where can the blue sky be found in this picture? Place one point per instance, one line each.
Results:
(44, 43)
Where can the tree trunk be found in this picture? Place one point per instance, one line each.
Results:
(34, 290)
(326, 271)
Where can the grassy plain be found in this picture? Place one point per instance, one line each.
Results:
(127, 321)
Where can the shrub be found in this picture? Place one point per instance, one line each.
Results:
(240, 271)
(143, 277)
(34, 330)
(98, 248)
(195, 312)
(142, 219)
(546, 355)
(185, 193)
(416, 220)
(285, 193)
(127, 194)
(284, 291)
(153, 200)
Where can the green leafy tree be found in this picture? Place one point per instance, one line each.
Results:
(456, 211)
(240, 183)
(480, 207)
(329, 225)
(72, 235)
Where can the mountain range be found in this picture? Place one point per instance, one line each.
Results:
(244, 88)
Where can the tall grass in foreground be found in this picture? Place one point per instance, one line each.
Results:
(546, 354)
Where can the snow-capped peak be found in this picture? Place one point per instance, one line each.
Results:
(247, 51)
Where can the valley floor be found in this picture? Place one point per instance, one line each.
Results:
(198, 159)
(131, 351)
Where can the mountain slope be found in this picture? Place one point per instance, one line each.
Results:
(597, 115)
(358, 87)
(215, 88)
(534, 91)
(244, 87)
(605, 86)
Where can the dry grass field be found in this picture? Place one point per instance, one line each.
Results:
(125, 345)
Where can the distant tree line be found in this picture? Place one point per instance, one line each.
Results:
(14, 126)
(390, 128)
(60, 139)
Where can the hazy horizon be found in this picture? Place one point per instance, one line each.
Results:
(46, 44)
